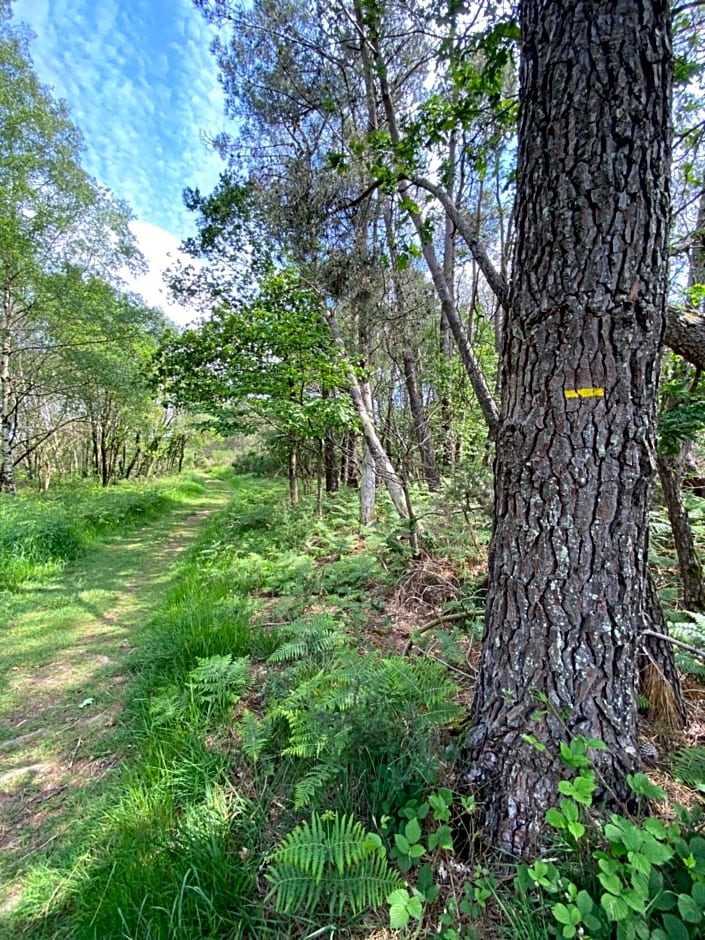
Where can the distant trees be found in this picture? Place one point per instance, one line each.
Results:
(262, 361)
(73, 349)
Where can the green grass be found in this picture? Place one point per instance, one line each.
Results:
(251, 701)
(63, 682)
(175, 848)
(41, 533)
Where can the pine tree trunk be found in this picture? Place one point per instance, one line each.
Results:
(579, 378)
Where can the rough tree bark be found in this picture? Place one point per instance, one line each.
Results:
(576, 446)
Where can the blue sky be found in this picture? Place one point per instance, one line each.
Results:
(142, 86)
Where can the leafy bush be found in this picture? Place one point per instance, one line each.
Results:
(623, 879)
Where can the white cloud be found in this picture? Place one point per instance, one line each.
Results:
(142, 86)
(161, 251)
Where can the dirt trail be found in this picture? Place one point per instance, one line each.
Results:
(63, 688)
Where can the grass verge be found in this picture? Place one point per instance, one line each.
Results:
(63, 680)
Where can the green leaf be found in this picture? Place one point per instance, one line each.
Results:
(583, 788)
(398, 896)
(569, 810)
(584, 902)
(688, 909)
(412, 830)
(655, 827)
(675, 928)
(639, 862)
(615, 908)
(577, 830)
(534, 742)
(641, 784)
(556, 819)
(416, 850)
(401, 843)
(698, 892)
(665, 901)
(610, 882)
(442, 838)
(656, 852)
(415, 908)
(635, 900)
(566, 915)
(398, 916)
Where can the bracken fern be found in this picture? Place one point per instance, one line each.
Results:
(332, 862)
(309, 638)
(688, 766)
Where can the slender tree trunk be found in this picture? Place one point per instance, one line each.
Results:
(423, 436)
(658, 677)
(443, 289)
(671, 476)
(329, 461)
(292, 468)
(670, 467)
(446, 337)
(368, 487)
(319, 478)
(418, 418)
(104, 456)
(348, 460)
(383, 464)
(576, 448)
(135, 457)
(7, 462)
(368, 470)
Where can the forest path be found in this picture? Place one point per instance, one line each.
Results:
(63, 661)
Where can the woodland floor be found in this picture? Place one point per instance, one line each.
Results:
(64, 650)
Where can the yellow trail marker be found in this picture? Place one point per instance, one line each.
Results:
(584, 393)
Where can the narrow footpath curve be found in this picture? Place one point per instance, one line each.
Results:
(62, 683)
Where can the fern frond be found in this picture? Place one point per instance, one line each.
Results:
(314, 781)
(255, 734)
(692, 632)
(334, 858)
(309, 637)
(688, 766)
(218, 681)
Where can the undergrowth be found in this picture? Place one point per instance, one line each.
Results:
(39, 533)
(289, 779)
